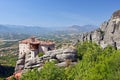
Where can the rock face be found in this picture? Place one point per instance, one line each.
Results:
(107, 34)
(62, 57)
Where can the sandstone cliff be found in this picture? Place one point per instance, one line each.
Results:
(107, 34)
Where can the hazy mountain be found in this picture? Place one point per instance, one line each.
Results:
(42, 30)
(20, 31)
(84, 28)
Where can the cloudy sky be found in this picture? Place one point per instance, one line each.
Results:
(54, 13)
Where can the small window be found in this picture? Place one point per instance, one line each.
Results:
(49, 48)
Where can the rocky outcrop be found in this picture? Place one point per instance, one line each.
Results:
(107, 34)
(62, 57)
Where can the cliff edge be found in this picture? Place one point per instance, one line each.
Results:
(107, 34)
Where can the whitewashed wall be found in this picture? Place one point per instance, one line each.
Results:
(23, 48)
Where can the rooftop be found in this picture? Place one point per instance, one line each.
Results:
(33, 40)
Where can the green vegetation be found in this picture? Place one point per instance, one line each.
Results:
(5, 44)
(40, 54)
(8, 54)
(94, 63)
(97, 63)
(8, 58)
(49, 72)
(13, 78)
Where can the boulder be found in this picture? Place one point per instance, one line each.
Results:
(65, 64)
(30, 62)
(53, 60)
(62, 64)
(20, 61)
(63, 57)
(19, 67)
(69, 51)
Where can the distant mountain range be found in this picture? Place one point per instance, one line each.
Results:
(19, 30)
(37, 29)
(84, 28)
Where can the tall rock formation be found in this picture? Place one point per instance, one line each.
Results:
(107, 34)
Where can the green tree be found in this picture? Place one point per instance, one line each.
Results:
(48, 72)
(40, 54)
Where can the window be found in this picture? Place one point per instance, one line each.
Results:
(49, 48)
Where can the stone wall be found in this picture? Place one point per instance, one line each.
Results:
(23, 48)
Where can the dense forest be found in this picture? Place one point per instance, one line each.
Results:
(94, 63)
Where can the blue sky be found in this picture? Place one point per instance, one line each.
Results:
(56, 13)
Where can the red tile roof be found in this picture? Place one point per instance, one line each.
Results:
(36, 41)
(30, 40)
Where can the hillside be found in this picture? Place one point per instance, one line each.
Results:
(8, 57)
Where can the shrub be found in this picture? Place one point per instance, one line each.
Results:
(48, 72)
(40, 54)
(88, 49)
(97, 63)
(13, 78)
